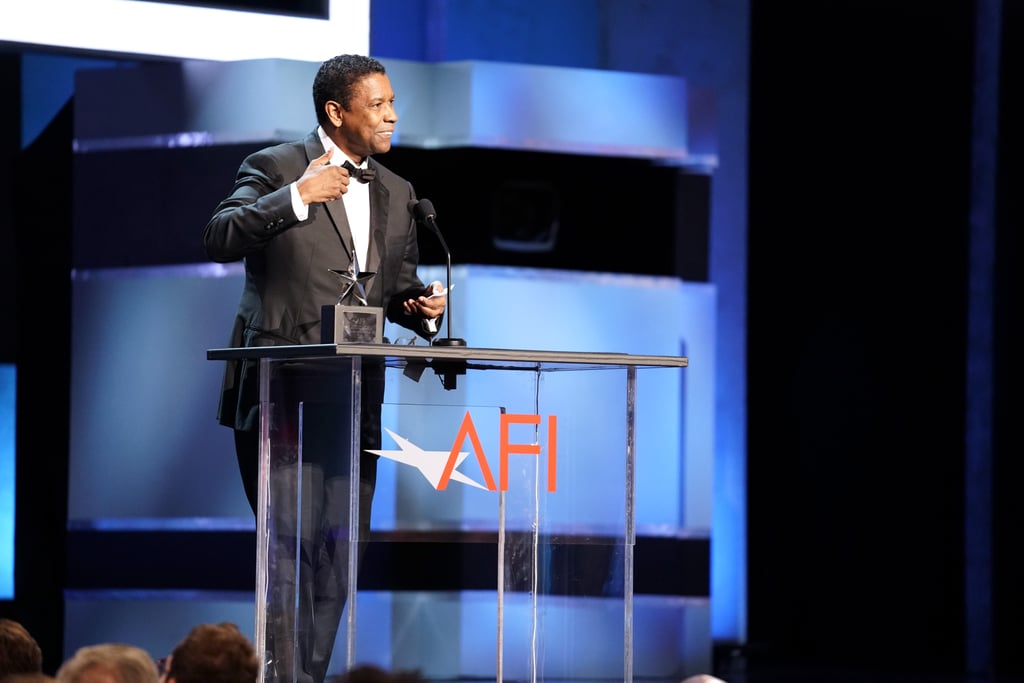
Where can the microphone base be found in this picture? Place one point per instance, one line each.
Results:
(449, 370)
(448, 341)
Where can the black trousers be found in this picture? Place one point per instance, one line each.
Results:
(310, 512)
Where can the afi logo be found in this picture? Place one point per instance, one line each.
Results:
(440, 467)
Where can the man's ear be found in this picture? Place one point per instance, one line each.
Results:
(335, 114)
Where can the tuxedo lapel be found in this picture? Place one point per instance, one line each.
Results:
(378, 225)
(336, 211)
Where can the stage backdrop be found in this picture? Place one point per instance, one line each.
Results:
(149, 460)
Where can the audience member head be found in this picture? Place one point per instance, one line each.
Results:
(19, 651)
(109, 663)
(702, 678)
(370, 673)
(38, 677)
(213, 653)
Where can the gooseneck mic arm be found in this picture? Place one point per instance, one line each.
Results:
(423, 211)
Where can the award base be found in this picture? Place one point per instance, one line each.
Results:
(340, 324)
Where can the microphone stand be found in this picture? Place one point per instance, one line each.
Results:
(448, 370)
(449, 340)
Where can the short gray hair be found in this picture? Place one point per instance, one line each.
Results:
(118, 662)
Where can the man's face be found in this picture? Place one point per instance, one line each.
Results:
(367, 126)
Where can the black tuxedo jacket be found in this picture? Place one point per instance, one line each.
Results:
(288, 262)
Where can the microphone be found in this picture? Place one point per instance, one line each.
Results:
(423, 211)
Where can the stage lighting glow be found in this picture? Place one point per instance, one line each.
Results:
(131, 27)
(7, 397)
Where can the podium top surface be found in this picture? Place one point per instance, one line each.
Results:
(399, 354)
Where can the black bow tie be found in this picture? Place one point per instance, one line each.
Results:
(363, 175)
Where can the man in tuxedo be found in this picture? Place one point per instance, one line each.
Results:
(297, 212)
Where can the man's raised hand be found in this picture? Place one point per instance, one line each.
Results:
(322, 181)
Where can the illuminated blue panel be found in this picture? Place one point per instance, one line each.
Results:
(546, 108)
(7, 397)
(455, 104)
(557, 109)
(675, 474)
(142, 420)
(144, 405)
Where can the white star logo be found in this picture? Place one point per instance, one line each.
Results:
(431, 464)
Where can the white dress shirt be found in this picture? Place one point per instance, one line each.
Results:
(356, 202)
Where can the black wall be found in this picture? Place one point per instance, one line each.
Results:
(493, 206)
(860, 220)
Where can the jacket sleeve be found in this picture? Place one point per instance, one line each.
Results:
(258, 209)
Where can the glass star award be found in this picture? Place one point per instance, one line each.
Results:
(352, 320)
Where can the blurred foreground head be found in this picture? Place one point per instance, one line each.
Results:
(109, 663)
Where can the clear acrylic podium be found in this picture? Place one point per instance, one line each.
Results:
(520, 463)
